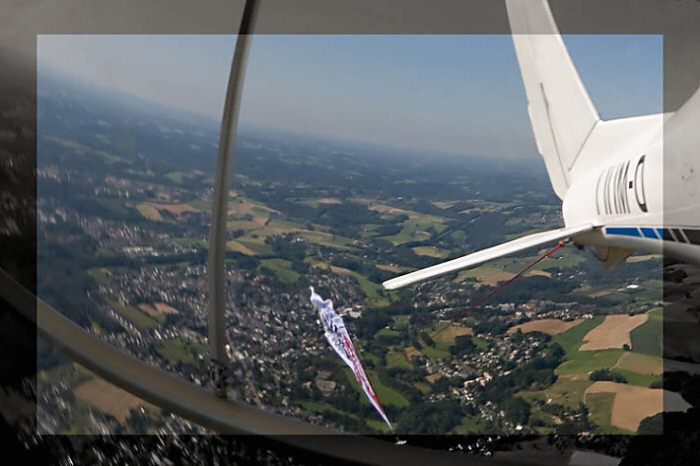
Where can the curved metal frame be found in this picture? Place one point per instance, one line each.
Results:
(216, 268)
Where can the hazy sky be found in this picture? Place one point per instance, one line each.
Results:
(460, 94)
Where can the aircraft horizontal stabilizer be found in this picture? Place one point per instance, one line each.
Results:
(479, 257)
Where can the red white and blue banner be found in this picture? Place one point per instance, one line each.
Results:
(339, 339)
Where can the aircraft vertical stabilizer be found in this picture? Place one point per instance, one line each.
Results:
(560, 110)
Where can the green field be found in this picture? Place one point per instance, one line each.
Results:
(568, 390)
(435, 353)
(648, 337)
(414, 229)
(175, 177)
(100, 276)
(472, 425)
(116, 206)
(320, 408)
(255, 243)
(130, 313)
(401, 322)
(397, 359)
(325, 239)
(201, 204)
(281, 268)
(190, 242)
(371, 290)
(386, 331)
(480, 343)
(385, 394)
(600, 407)
(177, 349)
(572, 339)
(635, 378)
(431, 251)
(583, 362)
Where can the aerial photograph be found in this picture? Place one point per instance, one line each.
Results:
(461, 237)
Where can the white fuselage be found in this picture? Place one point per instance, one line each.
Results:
(645, 195)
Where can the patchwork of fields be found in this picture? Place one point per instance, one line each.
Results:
(596, 344)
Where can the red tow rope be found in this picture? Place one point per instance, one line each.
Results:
(482, 300)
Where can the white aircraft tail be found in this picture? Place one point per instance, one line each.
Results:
(560, 110)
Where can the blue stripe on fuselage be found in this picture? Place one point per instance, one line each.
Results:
(624, 231)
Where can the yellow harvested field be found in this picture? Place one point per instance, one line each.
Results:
(549, 326)
(149, 212)
(236, 246)
(430, 251)
(640, 363)
(487, 275)
(328, 200)
(109, 398)
(389, 268)
(613, 332)
(159, 308)
(433, 377)
(632, 403)
(494, 278)
(444, 204)
(340, 270)
(452, 332)
(244, 206)
(396, 210)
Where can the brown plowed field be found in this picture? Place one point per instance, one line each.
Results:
(109, 398)
(549, 326)
(613, 332)
(632, 403)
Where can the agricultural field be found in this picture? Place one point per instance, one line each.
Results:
(179, 350)
(157, 309)
(614, 332)
(640, 363)
(568, 390)
(397, 359)
(431, 251)
(240, 247)
(435, 353)
(571, 339)
(138, 318)
(415, 228)
(150, 212)
(100, 275)
(600, 408)
(109, 398)
(648, 338)
(549, 326)
(176, 209)
(386, 395)
(583, 362)
(632, 404)
(281, 268)
(451, 332)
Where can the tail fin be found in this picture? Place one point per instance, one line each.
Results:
(561, 113)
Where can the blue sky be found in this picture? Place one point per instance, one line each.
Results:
(457, 94)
